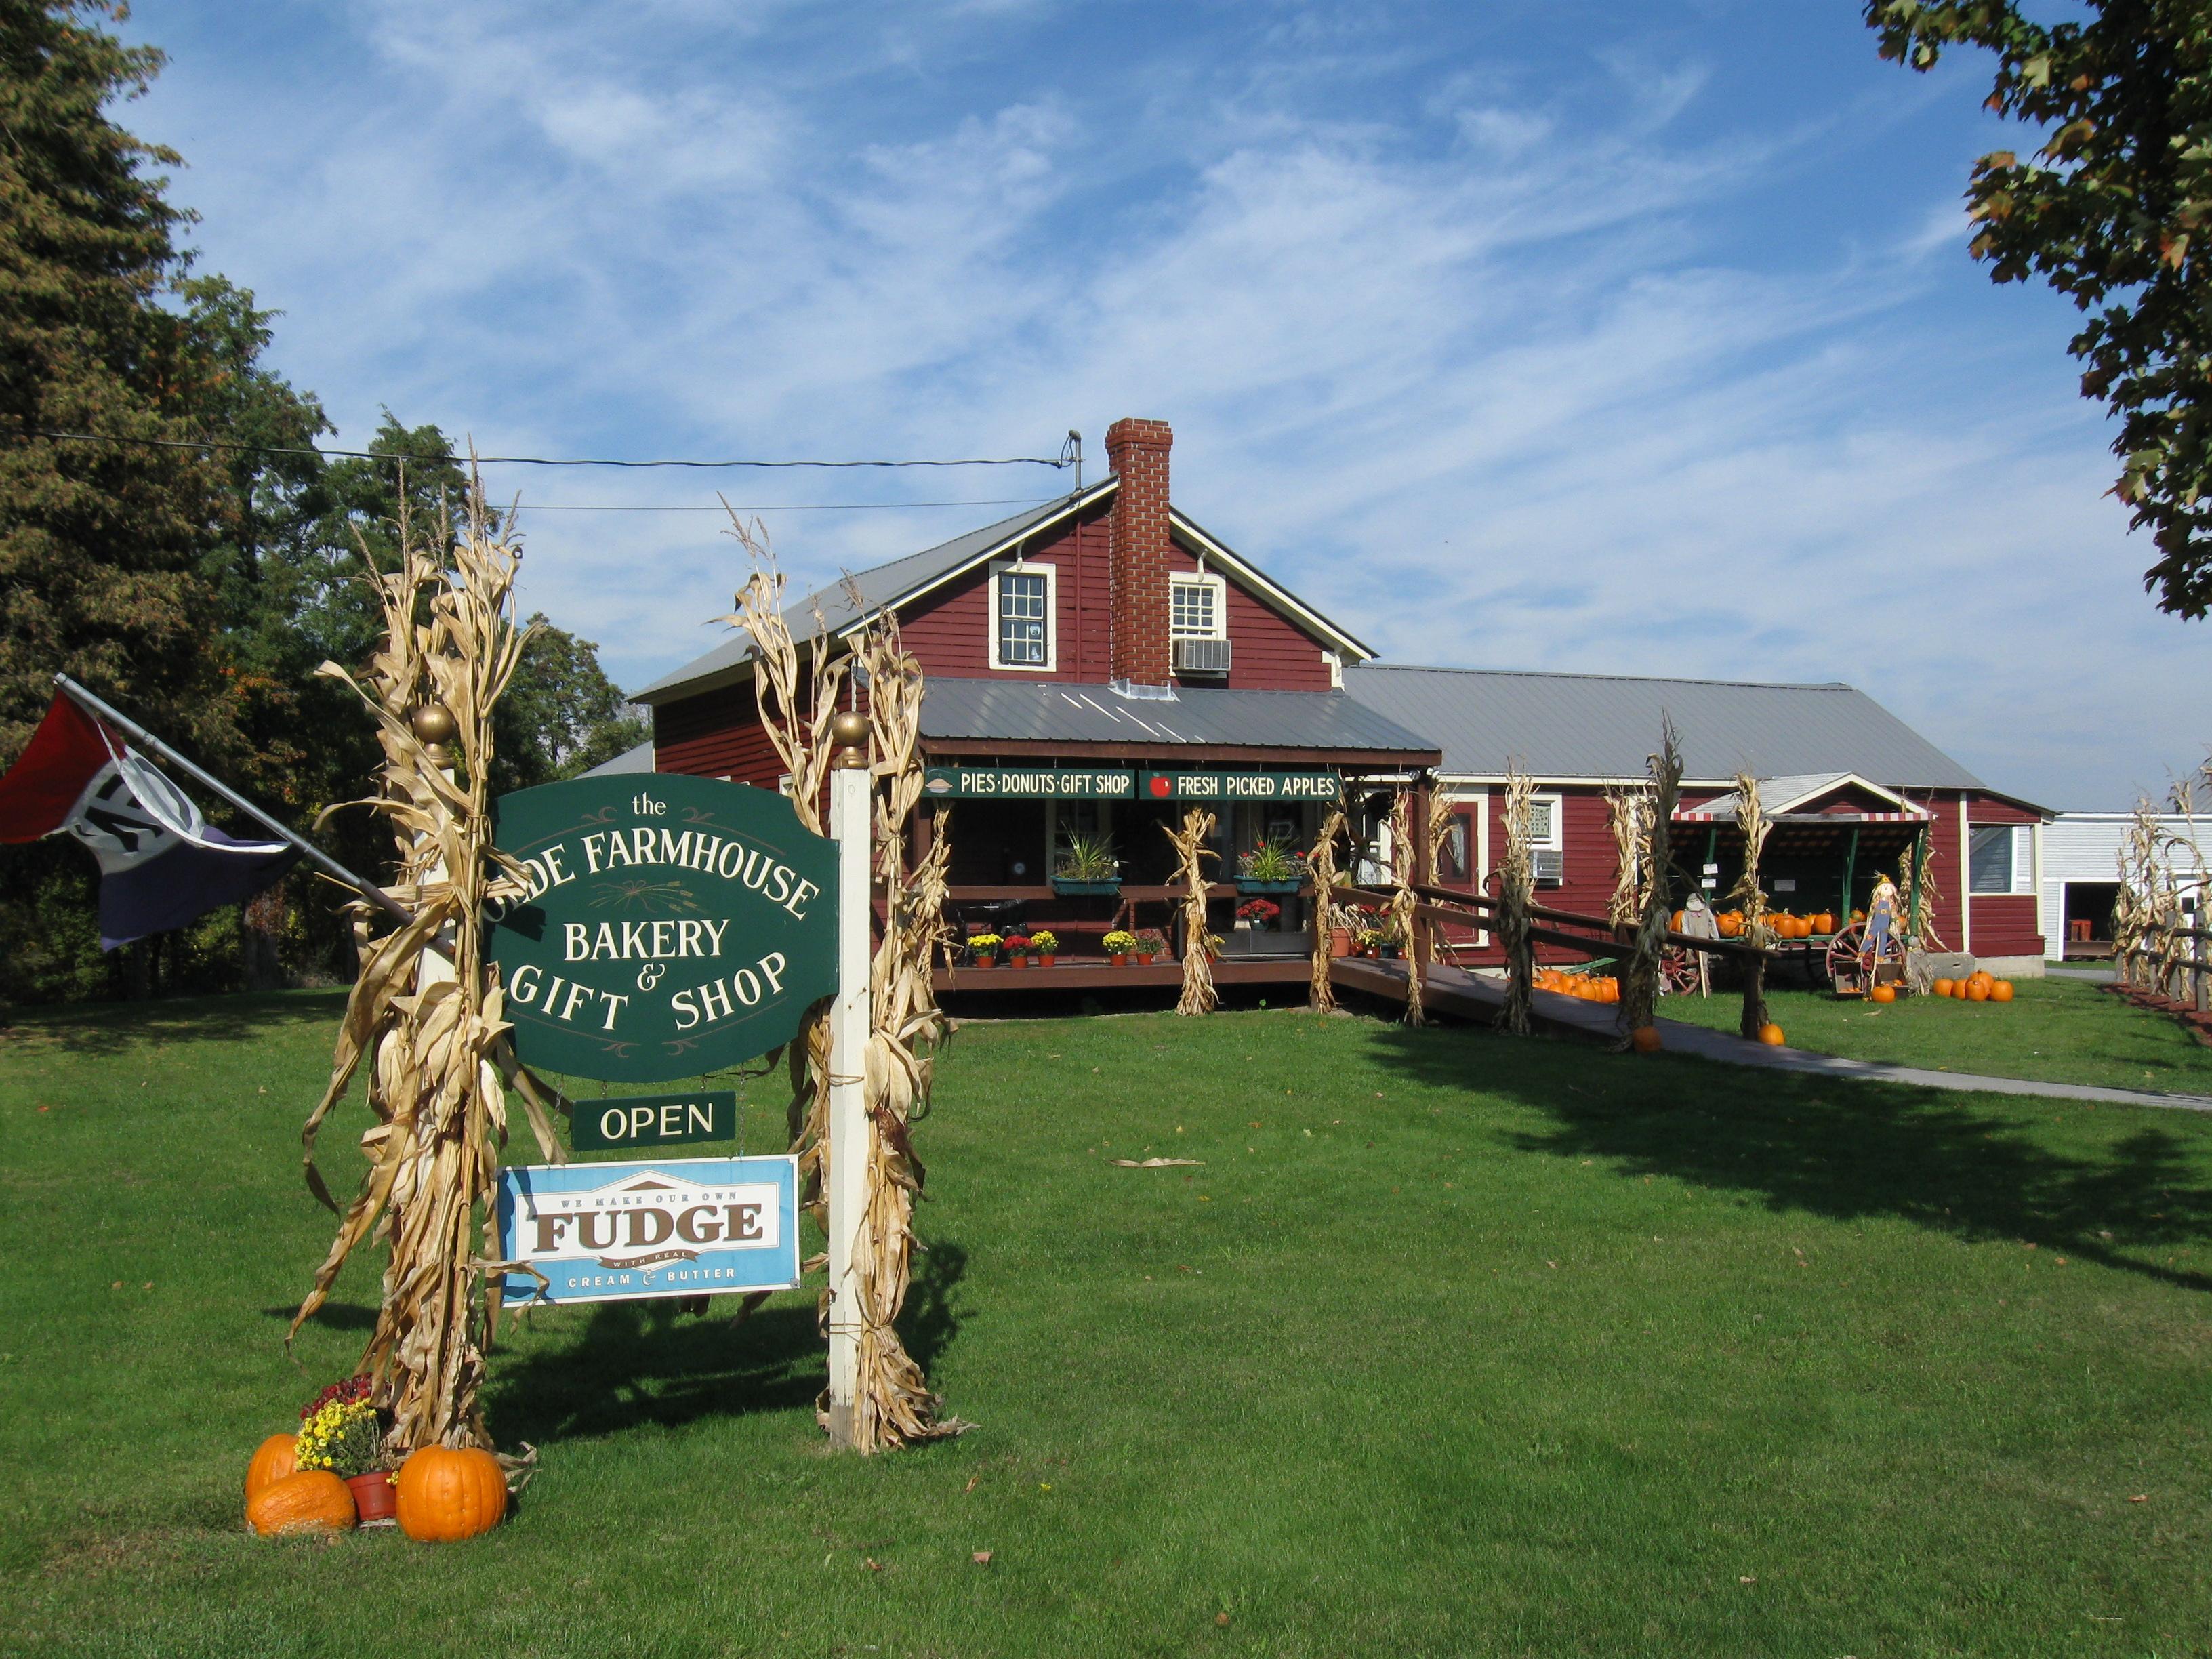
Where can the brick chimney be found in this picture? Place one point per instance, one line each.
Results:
(1136, 451)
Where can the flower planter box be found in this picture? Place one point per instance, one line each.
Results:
(1067, 887)
(1145, 959)
(1340, 941)
(986, 959)
(1267, 942)
(1047, 959)
(1120, 959)
(1247, 884)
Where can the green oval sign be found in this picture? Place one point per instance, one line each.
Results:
(675, 925)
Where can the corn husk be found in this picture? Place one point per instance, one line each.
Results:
(1517, 883)
(1321, 863)
(1404, 903)
(1750, 819)
(1652, 853)
(1199, 996)
(1440, 827)
(1626, 809)
(426, 1014)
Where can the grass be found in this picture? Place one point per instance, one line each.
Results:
(2054, 1030)
(1451, 1344)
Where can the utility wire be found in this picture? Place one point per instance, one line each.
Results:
(788, 506)
(505, 460)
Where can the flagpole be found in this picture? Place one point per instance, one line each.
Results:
(307, 849)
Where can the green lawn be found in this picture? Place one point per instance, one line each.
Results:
(1453, 1345)
(2055, 1030)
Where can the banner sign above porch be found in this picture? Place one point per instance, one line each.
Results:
(674, 925)
(1241, 786)
(615, 1232)
(1027, 783)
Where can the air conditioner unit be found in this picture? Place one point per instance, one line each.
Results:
(1551, 867)
(1201, 656)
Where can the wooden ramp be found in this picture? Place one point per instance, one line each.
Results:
(1463, 996)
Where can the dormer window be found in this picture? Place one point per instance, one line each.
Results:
(1024, 602)
(1198, 608)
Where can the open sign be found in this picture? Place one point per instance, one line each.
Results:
(654, 1120)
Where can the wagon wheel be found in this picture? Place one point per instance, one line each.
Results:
(1847, 963)
(1678, 971)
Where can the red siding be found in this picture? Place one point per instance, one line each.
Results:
(715, 735)
(1982, 809)
(948, 630)
(2005, 925)
(1268, 652)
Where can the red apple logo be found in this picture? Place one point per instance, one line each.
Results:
(1162, 787)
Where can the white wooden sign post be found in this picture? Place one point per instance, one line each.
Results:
(852, 807)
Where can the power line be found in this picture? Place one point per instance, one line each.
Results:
(506, 460)
(786, 507)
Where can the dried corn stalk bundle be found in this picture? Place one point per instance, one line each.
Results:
(426, 1010)
(1918, 896)
(1440, 828)
(1321, 861)
(1405, 914)
(1516, 892)
(892, 1404)
(1189, 841)
(2131, 905)
(1626, 812)
(1750, 819)
(795, 710)
(1639, 990)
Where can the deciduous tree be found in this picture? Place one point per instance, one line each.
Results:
(2113, 208)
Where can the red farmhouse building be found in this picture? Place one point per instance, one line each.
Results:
(1098, 665)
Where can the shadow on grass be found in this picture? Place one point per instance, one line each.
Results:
(1843, 1149)
(639, 1363)
(111, 1028)
(332, 1317)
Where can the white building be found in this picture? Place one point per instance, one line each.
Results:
(2080, 875)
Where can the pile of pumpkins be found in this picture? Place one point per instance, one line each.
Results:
(446, 1493)
(1786, 924)
(1976, 986)
(1590, 988)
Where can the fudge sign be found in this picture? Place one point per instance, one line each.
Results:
(674, 925)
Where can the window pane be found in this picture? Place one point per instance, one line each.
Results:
(1451, 855)
(1989, 859)
(1539, 823)
(1190, 610)
(1022, 618)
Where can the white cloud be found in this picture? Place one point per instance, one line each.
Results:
(1482, 377)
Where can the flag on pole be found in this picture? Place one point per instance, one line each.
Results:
(161, 863)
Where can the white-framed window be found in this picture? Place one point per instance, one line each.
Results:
(1198, 608)
(2000, 858)
(1025, 601)
(1546, 832)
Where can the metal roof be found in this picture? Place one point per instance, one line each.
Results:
(1031, 711)
(876, 587)
(639, 759)
(1597, 726)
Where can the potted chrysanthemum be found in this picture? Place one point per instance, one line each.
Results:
(340, 1430)
(1044, 947)
(1118, 944)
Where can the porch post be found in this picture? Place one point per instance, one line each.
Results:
(851, 808)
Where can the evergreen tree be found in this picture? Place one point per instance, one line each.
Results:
(101, 542)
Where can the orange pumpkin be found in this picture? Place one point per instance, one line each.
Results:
(1608, 990)
(1883, 994)
(1943, 988)
(1729, 923)
(447, 1493)
(1977, 990)
(1675, 922)
(2001, 991)
(1824, 923)
(313, 1501)
(1644, 1039)
(1771, 1035)
(272, 1462)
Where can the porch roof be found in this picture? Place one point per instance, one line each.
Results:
(969, 713)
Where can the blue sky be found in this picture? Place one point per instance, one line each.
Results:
(1623, 337)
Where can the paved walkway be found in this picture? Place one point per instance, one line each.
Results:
(1452, 990)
